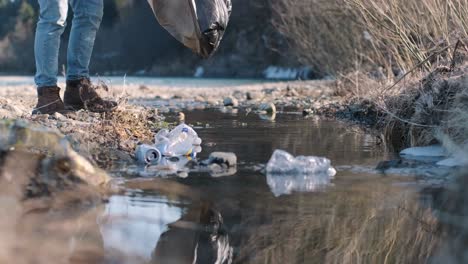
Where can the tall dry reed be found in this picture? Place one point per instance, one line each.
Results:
(337, 36)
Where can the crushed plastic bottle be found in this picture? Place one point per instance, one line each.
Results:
(287, 174)
(181, 141)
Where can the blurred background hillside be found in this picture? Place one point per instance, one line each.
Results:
(315, 38)
(131, 41)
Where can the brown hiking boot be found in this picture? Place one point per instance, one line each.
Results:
(80, 94)
(49, 101)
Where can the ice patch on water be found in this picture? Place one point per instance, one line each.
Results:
(452, 162)
(287, 174)
(429, 151)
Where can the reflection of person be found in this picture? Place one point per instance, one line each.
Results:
(79, 92)
(198, 237)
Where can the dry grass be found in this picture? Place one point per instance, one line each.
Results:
(345, 35)
(404, 33)
(321, 33)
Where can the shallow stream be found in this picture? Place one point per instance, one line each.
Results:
(360, 217)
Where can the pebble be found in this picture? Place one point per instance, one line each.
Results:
(212, 102)
(230, 101)
(239, 95)
(307, 112)
(60, 117)
(291, 92)
(253, 95)
(5, 114)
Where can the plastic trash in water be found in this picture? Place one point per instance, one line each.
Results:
(181, 141)
(198, 24)
(287, 174)
(168, 166)
(147, 154)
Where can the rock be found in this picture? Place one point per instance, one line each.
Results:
(239, 95)
(199, 99)
(269, 108)
(26, 137)
(307, 112)
(228, 159)
(212, 102)
(291, 92)
(270, 91)
(253, 95)
(60, 117)
(4, 114)
(230, 101)
(16, 111)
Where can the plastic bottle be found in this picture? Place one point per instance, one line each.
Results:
(181, 141)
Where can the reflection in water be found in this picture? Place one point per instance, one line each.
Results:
(450, 207)
(131, 225)
(371, 221)
(286, 184)
(198, 237)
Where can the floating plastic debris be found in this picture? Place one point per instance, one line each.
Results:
(181, 141)
(287, 174)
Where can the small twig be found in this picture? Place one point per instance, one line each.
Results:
(414, 68)
(454, 55)
(404, 120)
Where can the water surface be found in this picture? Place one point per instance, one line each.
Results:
(360, 217)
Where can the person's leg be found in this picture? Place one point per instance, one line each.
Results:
(52, 22)
(87, 16)
(80, 93)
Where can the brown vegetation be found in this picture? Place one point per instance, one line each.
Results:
(380, 50)
(344, 35)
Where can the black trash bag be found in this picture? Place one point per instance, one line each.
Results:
(198, 24)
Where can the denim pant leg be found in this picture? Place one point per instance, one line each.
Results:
(52, 22)
(87, 16)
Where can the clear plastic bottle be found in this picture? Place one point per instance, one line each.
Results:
(181, 141)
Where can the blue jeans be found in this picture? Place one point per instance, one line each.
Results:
(87, 16)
